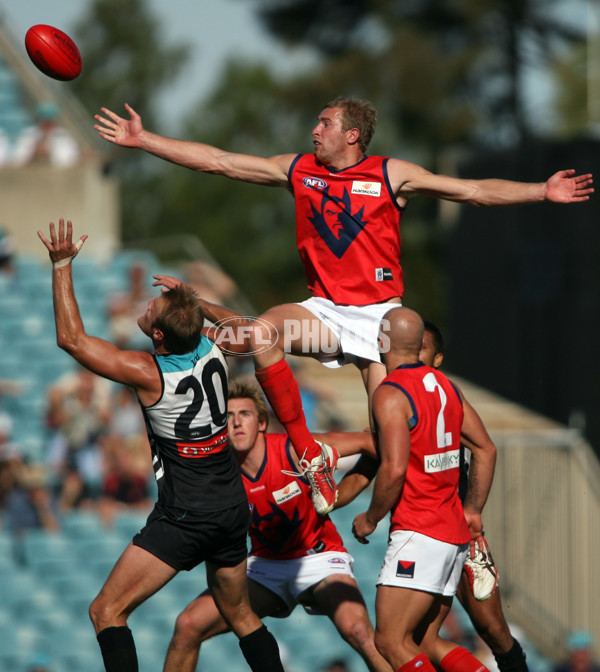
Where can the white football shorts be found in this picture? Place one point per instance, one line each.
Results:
(419, 562)
(291, 578)
(355, 327)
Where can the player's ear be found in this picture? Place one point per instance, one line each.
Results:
(353, 135)
(157, 335)
(437, 360)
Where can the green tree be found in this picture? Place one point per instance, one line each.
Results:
(452, 68)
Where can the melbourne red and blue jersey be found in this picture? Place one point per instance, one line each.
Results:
(284, 523)
(348, 230)
(429, 502)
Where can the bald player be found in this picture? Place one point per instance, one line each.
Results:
(419, 416)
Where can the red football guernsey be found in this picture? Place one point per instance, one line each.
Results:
(348, 230)
(429, 503)
(284, 523)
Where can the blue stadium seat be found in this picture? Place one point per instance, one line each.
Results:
(80, 524)
(128, 523)
(15, 583)
(40, 544)
(33, 602)
(109, 545)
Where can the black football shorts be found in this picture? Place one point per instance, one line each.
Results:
(184, 540)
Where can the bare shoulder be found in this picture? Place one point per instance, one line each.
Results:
(284, 162)
(389, 399)
(400, 172)
(401, 175)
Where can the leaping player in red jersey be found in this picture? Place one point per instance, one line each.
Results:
(297, 557)
(348, 211)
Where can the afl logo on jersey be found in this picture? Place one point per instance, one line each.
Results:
(314, 183)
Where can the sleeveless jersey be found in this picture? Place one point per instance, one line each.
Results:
(429, 502)
(284, 523)
(194, 466)
(348, 230)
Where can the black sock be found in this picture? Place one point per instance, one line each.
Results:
(261, 651)
(513, 660)
(118, 649)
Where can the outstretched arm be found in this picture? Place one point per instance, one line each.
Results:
(136, 369)
(563, 187)
(194, 155)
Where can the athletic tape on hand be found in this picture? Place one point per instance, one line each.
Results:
(65, 262)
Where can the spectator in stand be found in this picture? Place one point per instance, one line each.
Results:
(580, 650)
(8, 271)
(46, 142)
(127, 461)
(25, 500)
(79, 412)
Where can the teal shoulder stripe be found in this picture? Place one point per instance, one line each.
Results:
(169, 363)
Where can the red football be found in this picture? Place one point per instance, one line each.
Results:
(53, 52)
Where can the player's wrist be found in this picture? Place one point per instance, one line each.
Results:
(62, 263)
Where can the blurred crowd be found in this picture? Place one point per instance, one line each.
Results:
(97, 457)
(45, 141)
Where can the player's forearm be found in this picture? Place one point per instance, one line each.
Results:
(481, 475)
(216, 314)
(69, 326)
(356, 480)
(386, 492)
(504, 192)
(349, 488)
(193, 155)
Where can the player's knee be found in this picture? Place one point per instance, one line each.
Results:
(101, 614)
(384, 643)
(496, 634)
(188, 632)
(360, 636)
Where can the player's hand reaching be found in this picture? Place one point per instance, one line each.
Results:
(566, 187)
(167, 282)
(123, 132)
(61, 248)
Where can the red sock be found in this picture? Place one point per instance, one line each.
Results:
(461, 660)
(281, 389)
(419, 663)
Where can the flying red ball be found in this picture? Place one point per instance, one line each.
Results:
(53, 52)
